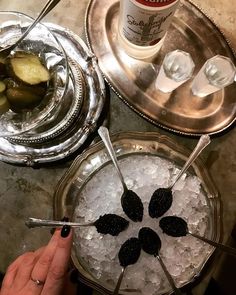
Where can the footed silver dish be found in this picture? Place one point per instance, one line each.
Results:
(95, 159)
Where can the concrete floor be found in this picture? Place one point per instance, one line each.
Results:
(17, 184)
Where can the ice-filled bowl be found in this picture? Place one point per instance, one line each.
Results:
(42, 43)
(92, 188)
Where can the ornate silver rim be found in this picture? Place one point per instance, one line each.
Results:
(86, 121)
(142, 114)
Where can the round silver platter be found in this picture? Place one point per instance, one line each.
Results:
(81, 108)
(85, 166)
(134, 80)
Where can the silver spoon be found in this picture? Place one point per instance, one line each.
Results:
(130, 201)
(106, 224)
(120, 279)
(175, 226)
(35, 222)
(162, 198)
(4, 52)
(151, 244)
(202, 143)
(128, 254)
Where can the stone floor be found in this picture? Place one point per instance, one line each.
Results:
(17, 183)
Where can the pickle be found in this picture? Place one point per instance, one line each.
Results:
(23, 97)
(2, 87)
(4, 104)
(28, 68)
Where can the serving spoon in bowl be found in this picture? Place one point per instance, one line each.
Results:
(4, 52)
(106, 224)
(151, 244)
(175, 226)
(130, 201)
(162, 198)
(128, 254)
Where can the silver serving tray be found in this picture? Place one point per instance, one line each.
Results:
(86, 165)
(43, 147)
(134, 80)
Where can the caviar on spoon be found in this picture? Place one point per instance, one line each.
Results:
(111, 224)
(177, 227)
(162, 198)
(130, 201)
(151, 244)
(128, 254)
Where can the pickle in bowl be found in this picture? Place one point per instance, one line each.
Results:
(33, 77)
(24, 81)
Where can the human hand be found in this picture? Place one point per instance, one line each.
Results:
(42, 272)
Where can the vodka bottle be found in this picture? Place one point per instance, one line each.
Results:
(143, 25)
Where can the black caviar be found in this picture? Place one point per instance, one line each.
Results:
(150, 241)
(129, 252)
(132, 205)
(111, 224)
(174, 226)
(160, 202)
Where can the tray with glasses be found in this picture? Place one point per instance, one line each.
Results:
(64, 119)
(134, 81)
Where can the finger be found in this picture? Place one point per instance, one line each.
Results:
(58, 269)
(39, 252)
(11, 274)
(25, 268)
(12, 270)
(41, 268)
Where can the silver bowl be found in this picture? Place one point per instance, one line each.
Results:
(87, 165)
(41, 42)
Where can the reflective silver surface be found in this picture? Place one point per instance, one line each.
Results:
(96, 157)
(70, 106)
(72, 129)
(134, 80)
(41, 42)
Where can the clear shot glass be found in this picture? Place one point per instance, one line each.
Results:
(177, 68)
(217, 73)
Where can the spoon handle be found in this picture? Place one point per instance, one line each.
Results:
(117, 288)
(104, 134)
(169, 277)
(227, 249)
(46, 9)
(202, 143)
(34, 222)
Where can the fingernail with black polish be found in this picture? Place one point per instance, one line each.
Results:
(74, 276)
(65, 231)
(66, 219)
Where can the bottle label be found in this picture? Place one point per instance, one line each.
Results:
(155, 3)
(146, 27)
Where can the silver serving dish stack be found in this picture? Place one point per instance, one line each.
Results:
(68, 127)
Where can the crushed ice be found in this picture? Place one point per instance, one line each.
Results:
(183, 256)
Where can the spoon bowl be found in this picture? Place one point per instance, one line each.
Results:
(106, 224)
(130, 201)
(128, 254)
(151, 244)
(162, 198)
(177, 227)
